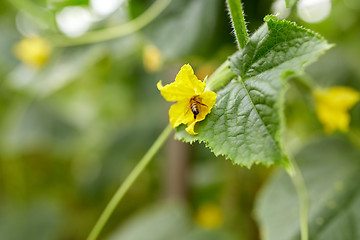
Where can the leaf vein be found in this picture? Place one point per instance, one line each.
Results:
(254, 108)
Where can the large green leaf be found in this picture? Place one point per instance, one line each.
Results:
(331, 170)
(245, 125)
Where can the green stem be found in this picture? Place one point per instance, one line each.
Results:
(220, 78)
(115, 32)
(238, 21)
(124, 187)
(301, 190)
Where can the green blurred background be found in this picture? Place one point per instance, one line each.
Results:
(72, 129)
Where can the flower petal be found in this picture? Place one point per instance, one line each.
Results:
(338, 97)
(333, 119)
(180, 113)
(208, 99)
(174, 92)
(186, 85)
(332, 107)
(187, 77)
(190, 128)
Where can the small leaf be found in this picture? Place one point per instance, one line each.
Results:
(331, 171)
(245, 124)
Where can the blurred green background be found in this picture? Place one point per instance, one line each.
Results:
(73, 128)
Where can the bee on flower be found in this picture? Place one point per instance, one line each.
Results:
(193, 101)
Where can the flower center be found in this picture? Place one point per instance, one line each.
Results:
(194, 104)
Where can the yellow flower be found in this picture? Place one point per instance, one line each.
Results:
(193, 101)
(152, 59)
(332, 106)
(209, 216)
(33, 51)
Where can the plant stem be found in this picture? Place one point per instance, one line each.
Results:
(220, 78)
(130, 179)
(238, 21)
(301, 190)
(115, 32)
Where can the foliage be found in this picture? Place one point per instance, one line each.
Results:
(248, 113)
(334, 197)
(73, 128)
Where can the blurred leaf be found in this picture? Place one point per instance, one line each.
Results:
(137, 7)
(58, 4)
(197, 19)
(355, 116)
(61, 70)
(299, 109)
(37, 12)
(7, 38)
(338, 70)
(331, 171)
(134, 139)
(202, 234)
(37, 220)
(290, 3)
(163, 221)
(38, 126)
(248, 111)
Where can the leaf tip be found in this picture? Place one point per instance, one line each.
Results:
(269, 17)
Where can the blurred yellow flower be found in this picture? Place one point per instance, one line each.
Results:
(193, 102)
(152, 58)
(205, 70)
(332, 106)
(209, 216)
(33, 51)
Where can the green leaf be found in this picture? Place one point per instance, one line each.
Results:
(245, 125)
(331, 171)
(238, 22)
(164, 221)
(290, 3)
(71, 63)
(159, 222)
(197, 17)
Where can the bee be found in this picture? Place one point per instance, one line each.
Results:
(194, 105)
